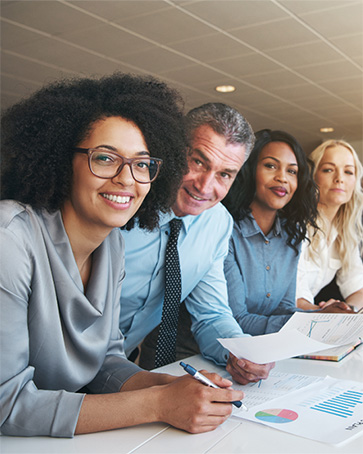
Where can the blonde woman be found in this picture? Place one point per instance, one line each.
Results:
(334, 250)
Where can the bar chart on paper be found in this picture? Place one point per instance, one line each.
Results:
(341, 404)
(330, 411)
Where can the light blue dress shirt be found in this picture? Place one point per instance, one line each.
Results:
(203, 246)
(261, 277)
(54, 338)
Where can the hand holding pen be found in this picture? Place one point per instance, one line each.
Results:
(200, 377)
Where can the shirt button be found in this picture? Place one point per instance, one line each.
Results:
(268, 295)
(266, 241)
(267, 267)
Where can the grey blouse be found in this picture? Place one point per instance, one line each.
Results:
(55, 339)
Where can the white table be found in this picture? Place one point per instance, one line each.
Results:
(234, 436)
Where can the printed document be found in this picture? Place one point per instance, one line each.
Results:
(304, 333)
(329, 411)
(278, 384)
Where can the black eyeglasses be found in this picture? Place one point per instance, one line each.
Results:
(108, 164)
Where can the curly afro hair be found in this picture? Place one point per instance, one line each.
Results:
(39, 134)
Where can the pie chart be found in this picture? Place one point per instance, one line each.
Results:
(277, 415)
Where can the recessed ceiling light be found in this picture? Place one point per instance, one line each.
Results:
(326, 130)
(225, 88)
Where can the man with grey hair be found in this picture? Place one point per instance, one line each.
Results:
(220, 139)
(225, 121)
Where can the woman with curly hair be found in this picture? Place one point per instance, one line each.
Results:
(80, 159)
(272, 201)
(334, 249)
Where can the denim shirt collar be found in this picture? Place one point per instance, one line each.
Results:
(249, 227)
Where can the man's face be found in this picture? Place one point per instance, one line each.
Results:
(213, 166)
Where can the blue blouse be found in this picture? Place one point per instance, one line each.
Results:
(261, 277)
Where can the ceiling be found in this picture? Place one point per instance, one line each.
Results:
(296, 64)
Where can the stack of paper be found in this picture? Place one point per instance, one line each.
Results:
(303, 334)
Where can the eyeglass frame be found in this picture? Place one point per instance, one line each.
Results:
(128, 161)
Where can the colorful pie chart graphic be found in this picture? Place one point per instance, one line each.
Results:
(277, 415)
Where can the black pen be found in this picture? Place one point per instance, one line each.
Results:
(200, 377)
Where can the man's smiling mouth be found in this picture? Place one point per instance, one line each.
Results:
(199, 199)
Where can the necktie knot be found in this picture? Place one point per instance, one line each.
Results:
(175, 226)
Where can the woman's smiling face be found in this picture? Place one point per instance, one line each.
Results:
(107, 203)
(276, 177)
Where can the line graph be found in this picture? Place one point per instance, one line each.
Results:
(313, 324)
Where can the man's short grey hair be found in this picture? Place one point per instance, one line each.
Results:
(225, 121)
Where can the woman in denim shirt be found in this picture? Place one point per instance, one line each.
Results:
(272, 201)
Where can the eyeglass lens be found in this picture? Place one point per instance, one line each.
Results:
(106, 165)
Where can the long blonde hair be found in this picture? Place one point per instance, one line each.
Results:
(348, 220)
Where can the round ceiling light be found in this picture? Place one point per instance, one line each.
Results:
(325, 130)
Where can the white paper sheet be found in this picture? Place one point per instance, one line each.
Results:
(339, 329)
(278, 384)
(330, 411)
(304, 333)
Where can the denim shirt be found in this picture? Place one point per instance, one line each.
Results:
(261, 277)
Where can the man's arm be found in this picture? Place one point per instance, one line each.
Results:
(211, 315)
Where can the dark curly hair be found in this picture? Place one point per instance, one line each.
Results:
(39, 134)
(302, 208)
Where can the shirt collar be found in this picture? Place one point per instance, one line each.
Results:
(277, 226)
(249, 227)
(187, 220)
(333, 234)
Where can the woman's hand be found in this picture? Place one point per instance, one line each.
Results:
(244, 371)
(323, 304)
(189, 405)
(183, 402)
(335, 306)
